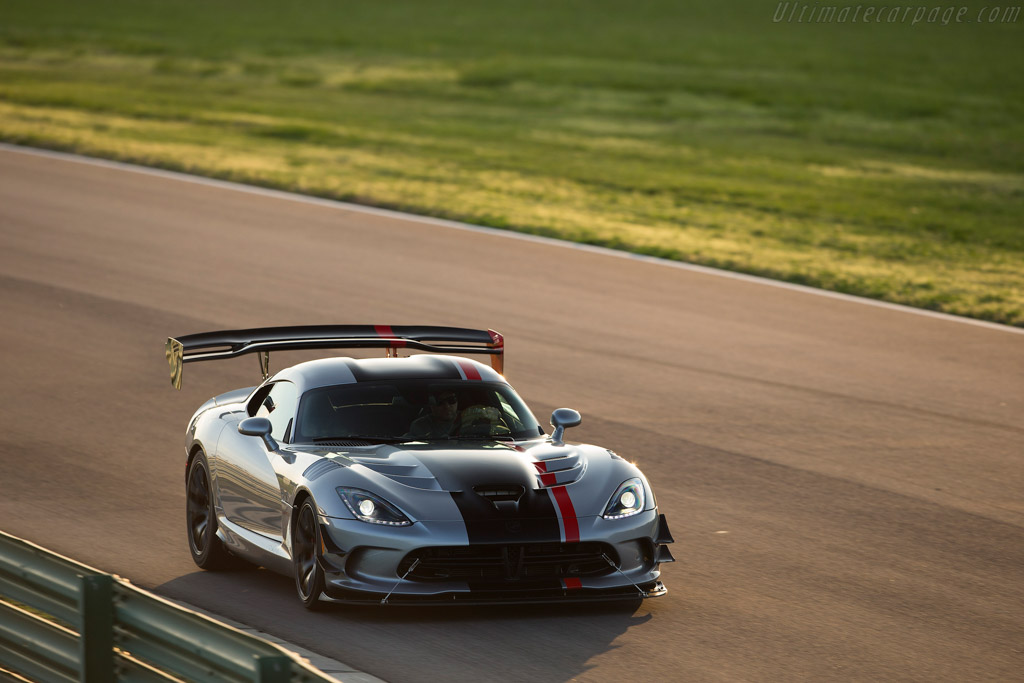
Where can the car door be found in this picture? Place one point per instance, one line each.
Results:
(249, 490)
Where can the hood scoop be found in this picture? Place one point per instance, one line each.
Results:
(504, 497)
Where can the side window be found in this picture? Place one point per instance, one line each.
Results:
(278, 406)
(257, 399)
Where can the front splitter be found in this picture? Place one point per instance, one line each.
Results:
(654, 589)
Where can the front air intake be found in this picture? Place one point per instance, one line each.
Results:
(504, 563)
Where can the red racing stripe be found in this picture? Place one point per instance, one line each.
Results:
(386, 332)
(572, 584)
(470, 371)
(568, 514)
(545, 479)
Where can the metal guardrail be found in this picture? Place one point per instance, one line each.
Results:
(61, 620)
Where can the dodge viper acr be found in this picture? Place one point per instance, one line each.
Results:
(416, 479)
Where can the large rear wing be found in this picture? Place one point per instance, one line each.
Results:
(230, 343)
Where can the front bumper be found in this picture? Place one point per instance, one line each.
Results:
(363, 563)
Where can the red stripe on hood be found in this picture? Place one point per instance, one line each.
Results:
(568, 514)
(545, 478)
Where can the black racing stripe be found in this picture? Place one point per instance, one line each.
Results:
(533, 521)
(416, 367)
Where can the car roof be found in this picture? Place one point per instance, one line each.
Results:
(332, 371)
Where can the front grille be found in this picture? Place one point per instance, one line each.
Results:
(501, 563)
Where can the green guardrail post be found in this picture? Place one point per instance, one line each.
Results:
(273, 669)
(96, 603)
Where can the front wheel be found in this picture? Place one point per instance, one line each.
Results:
(309, 575)
(207, 550)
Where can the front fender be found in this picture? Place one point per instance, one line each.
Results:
(605, 472)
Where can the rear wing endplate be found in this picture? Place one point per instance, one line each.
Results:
(230, 343)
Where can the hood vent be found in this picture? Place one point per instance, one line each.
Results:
(560, 471)
(412, 473)
(319, 468)
(343, 443)
(500, 492)
(504, 497)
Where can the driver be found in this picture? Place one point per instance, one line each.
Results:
(441, 419)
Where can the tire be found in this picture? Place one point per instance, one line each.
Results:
(309, 574)
(208, 551)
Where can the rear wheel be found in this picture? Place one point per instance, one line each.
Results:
(309, 575)
(207, 550)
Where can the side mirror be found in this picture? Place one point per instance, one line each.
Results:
(561, 419)
(258, 426)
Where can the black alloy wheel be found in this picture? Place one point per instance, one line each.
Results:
(309, 575)
(207, 550)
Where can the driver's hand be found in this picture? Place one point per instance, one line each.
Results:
(480, 415)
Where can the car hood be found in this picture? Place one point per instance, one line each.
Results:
(484, 486)
(464, 466)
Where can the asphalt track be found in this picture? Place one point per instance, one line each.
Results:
(845, 482)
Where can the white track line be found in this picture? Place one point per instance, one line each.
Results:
(455, 225)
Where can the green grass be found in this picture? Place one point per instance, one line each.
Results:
(877, 159)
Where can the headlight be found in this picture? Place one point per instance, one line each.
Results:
(370, 508)
(628, 500)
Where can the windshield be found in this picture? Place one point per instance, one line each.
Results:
(414, 410)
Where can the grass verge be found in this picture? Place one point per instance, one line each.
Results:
(880, 159)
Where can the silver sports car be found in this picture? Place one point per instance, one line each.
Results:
(418, 479)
